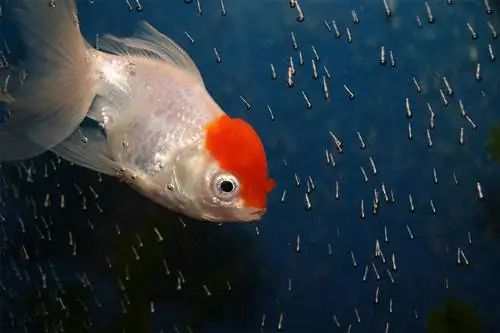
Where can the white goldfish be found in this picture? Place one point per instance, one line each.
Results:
(159, 128)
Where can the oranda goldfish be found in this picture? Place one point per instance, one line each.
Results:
(159, 128)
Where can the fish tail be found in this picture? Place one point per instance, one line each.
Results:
(47, 107)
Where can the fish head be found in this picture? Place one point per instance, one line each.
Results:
(223, 177)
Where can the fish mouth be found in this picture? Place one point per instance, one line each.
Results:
(240, 215)
(258, 211)
(252, 214)
(249, 214)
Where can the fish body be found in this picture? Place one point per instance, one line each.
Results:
(149, 141)
(159, 128)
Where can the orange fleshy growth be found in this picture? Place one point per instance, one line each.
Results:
(238, 149)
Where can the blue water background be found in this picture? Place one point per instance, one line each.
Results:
(258, 263)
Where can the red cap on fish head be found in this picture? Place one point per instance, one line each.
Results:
(238, 149)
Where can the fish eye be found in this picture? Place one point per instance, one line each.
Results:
(226, 185)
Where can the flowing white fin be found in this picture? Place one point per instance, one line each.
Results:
(88, 148)
(48, 107)
(149, 42)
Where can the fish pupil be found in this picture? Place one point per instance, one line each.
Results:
(227, 186)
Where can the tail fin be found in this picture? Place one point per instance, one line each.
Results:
(57, 94)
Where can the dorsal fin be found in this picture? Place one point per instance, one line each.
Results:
(149, 42)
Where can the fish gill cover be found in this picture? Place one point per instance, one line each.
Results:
(376, 117)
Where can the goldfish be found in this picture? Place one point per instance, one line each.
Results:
(158, 129)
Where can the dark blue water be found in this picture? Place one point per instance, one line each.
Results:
(98, 264)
